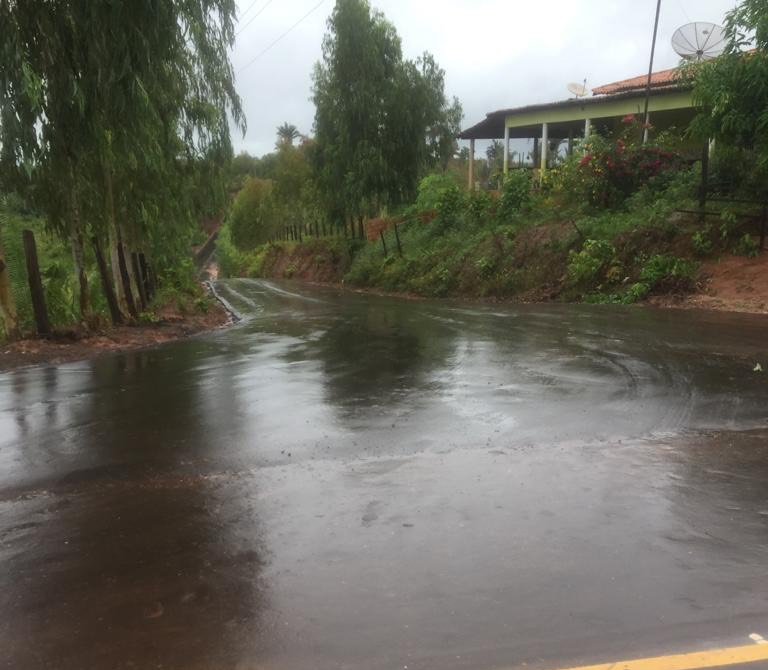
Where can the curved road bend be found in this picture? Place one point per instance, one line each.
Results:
(351, 481)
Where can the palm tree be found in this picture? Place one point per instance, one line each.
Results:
(287, 133)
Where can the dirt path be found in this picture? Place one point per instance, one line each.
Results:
(172, 326)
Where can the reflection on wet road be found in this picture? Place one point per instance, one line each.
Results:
(349, 481)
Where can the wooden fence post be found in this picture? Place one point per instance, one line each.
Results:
(36, 284)
(383, 243)
(399, 248)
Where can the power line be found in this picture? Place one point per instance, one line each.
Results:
(250, 7)
(254, 17)
(290, 30)
(687, 17)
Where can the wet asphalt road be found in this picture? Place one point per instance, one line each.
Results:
(351, 481)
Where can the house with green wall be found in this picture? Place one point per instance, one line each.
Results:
(670, 105)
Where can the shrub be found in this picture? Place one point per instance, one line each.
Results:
(253, 218)
(587, 265)
(450, 208)
(746, 246)
(665, 269)
(515, 195)
(431, 190)
(702, 242)
(606, 172)
(479, 206)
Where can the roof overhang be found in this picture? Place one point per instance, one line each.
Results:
(525, 122)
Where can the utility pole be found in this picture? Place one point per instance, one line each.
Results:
(647, 114)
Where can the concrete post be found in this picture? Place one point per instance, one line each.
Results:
(544, 148)
(471, 165)
(506, 150)
(587, 128)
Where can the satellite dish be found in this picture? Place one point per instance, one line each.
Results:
(699, 41)
(579, 90)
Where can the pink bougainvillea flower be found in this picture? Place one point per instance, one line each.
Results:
(629, 118)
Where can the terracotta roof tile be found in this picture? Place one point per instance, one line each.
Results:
(658, 79)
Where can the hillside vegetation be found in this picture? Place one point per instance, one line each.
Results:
(615, 220)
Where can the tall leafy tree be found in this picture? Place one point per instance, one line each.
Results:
(732, 90)
(380, 120)
(108, 111)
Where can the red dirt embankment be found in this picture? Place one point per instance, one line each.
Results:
(172, 325)
(732, 283)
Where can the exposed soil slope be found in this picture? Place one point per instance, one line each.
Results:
(732, 283)
(172, 326)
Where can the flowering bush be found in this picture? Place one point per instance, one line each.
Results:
(606, 171)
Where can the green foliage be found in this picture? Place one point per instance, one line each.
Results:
(634, 293)
(252, 220)
(702, 241)
(286, 134)
(585, 266)
(432, 189)
(605, 172)
(115, 122)
(515, 196)
(55, 267)
(661, 268)
(731, 92)
(371, 147)
(746, 246)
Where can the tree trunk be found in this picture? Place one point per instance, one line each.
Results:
(7, 305)
(362, 229)
(78, 256)
(133, 280)
(139, 282)
(106, 284)
(114, 241)
(149, 289)
(125, 278)
(36, 285)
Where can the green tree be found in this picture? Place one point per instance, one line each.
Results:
(286, 134)
(253, 218)
(731, 91)
(371, 146)
(110, 116)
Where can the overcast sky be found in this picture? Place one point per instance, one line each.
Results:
(496, 53)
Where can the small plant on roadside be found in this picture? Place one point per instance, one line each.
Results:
(668, 271)
(587, 265)
(746, 246)
(702, 241)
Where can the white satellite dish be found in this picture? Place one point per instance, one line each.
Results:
(699, 41)
(579, 90)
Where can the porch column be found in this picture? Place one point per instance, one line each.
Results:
(587, 128)
(544, 148)
(471, 165)
(506, 149)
